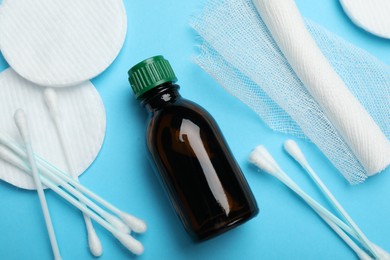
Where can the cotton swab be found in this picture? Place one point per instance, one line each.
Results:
(129, 242)
(22, 125)
(134, 223)
(6, 155)
(50, 98)
(119, 224)
(262, 159)
(293, 149)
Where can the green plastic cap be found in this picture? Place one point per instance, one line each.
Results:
(149, 74)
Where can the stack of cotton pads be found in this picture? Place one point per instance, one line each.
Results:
(263, 61)
(58, 44)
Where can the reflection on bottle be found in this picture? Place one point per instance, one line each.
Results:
(190, 133)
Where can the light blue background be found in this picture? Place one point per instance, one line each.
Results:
(285, 228)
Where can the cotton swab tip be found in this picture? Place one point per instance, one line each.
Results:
(135, 224)
(50, 98)
(118, 224)
(262, 159)
(130, 243)
(21, 123)
(293, 149)
(95, 246)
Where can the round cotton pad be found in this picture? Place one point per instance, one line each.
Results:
(60, 43)
(373, 15)
(82, 115)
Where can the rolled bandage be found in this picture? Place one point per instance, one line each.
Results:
(353, 123)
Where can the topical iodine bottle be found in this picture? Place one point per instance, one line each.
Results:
(204, 182)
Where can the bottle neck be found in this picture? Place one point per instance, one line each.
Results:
(160, 96)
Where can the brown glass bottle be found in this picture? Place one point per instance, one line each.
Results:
(204, 182)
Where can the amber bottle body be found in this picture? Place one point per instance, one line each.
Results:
(203, 181)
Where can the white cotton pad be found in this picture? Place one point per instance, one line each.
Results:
(60, 43)
(81, 111)
(371, 15)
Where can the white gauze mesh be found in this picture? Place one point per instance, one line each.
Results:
(239, 52)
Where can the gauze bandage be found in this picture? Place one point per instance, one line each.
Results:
(240, 52)
(61, 43)
(82, 114)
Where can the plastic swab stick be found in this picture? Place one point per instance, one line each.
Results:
(359, 252)
(6, 155)
(22, 125)
(383, 254)
(129, 242)
(135, 224)
(50, 97)
(293, 149)
(262, 159)
(117, 223)
(11, 158)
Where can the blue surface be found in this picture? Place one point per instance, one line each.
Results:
(285, 228)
